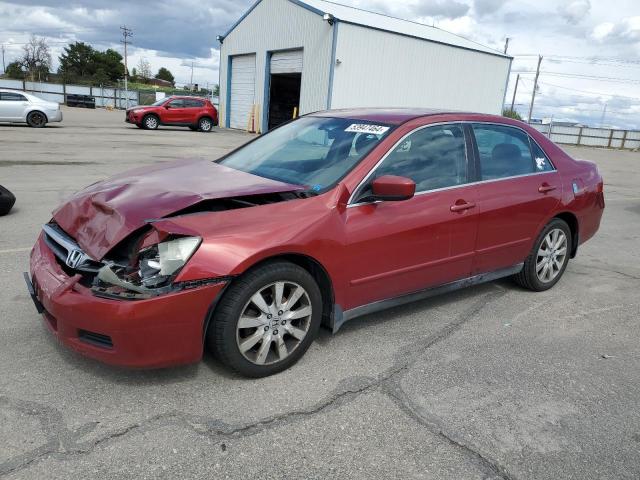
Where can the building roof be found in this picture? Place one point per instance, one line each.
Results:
(386, 23)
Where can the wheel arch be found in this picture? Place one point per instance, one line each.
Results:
(37, 110)
(308, 263)
(571, 220)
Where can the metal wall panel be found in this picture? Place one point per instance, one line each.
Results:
(381, 69)
(243, 85)
(274, 26)
(287, 62)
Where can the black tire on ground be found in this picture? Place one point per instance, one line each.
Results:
(222, 332)
(150, 122)
(528, 277)
(139, 125)
(7, 200)
(36, 119)
(205, 124)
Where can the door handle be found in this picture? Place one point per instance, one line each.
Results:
(461, 207)
(546, 188)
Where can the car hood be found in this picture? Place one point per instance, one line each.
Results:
(105, 213)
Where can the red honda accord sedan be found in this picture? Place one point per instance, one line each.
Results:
(332, 216)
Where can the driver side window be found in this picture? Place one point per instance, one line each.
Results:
(433, 157)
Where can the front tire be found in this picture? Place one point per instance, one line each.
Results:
(150, 122)
(36, 119)
(266, 320)
(548, 259)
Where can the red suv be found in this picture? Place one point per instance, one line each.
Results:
(194, 112)
(335, 215)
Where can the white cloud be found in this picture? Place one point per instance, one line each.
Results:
(575, 11)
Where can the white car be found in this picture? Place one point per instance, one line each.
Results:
(21, 107)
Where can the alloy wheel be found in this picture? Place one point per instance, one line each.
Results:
(37, 119)
(552, 255)
(274, 322)
(151, 123)
(205, 125)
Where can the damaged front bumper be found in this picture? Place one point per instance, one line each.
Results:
(152, 332)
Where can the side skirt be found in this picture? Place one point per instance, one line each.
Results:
(340, 317)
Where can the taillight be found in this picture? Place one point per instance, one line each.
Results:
(600, 188)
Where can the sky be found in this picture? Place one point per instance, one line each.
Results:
(591, 48)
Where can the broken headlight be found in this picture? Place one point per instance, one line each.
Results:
(158, 264)
(155, 269)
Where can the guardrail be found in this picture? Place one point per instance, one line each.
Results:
(591, 137)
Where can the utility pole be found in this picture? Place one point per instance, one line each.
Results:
(604, 114)
(535, 87)
(4, 69)
(515, 90)
(191, 82)
(126, 34)
(506, 45)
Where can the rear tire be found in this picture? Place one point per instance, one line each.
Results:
(548, 259)
(150, 122)
(36, 119)
(205, 124)
(277, 330)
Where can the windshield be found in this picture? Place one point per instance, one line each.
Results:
(313, 151)
(157, 103)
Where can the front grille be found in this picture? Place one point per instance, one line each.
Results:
(96, 339)
(67, 251)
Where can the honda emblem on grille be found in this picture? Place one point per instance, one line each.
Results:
(75, 258)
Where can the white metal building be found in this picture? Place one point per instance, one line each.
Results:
(287, 56)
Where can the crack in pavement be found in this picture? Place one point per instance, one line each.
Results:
(64, 442)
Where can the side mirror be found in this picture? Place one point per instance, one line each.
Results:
(167, 106)
(391, 188)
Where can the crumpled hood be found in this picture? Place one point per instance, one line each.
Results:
(105, 213)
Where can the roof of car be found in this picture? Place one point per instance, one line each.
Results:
(392, 116)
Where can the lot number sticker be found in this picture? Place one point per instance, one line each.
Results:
(364, 128)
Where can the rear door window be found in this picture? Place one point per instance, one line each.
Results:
(193, 103)
(504, 151)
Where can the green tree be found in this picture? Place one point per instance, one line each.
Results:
(216, 90)
(507, 112)
(165, 74)
(111, 62)
(77, 61)
(14, 70)
(81, 62)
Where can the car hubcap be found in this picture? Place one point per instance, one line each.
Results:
(551, 255)
(274, 322)
(152, 122)
(37, 119)
(205, 125)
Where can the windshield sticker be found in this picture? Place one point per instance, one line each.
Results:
(541, 162)
(365, 128)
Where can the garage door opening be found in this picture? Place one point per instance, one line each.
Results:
(284, 98)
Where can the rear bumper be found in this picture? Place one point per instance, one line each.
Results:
(54, 116)
(159, 332)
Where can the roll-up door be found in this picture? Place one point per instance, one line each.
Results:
(243, 86)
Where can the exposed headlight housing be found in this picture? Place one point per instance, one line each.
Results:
(155, 269)
(159, 263)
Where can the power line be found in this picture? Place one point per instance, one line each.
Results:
(582, 76)
(587, 91)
